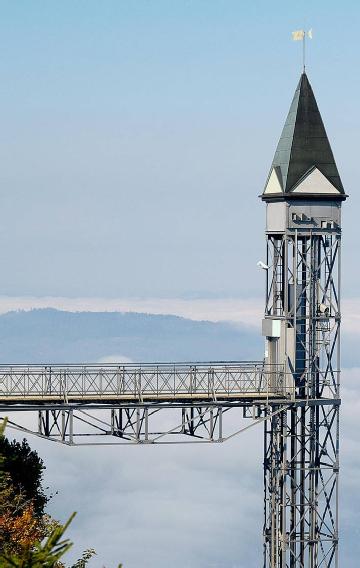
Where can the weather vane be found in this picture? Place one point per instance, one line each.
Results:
(300, 35)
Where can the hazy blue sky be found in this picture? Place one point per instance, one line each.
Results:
(137, 135)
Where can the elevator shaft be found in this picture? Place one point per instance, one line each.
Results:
(301, 444)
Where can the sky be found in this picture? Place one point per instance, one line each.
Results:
(137, 136)
(135, 139)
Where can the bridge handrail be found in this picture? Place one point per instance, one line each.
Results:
(137, 381)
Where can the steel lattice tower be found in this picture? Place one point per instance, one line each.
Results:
(303, 196)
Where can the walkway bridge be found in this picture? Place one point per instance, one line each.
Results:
(147, 402)
(160, 382)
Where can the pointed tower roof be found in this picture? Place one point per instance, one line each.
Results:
(303, 163)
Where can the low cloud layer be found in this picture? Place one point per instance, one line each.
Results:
(188, 506)
(245, 311)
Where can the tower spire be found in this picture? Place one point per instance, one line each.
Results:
(303, 161)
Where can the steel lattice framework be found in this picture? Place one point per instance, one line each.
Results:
(301, 465)
(148, 403)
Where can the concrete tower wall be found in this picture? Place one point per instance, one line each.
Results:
(301, 214)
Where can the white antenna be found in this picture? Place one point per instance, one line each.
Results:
(300, 35)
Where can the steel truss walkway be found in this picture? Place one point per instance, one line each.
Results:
(165, 382)
(141, 403)
(144, 403)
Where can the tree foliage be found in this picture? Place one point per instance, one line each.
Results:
(22, 499)
(25, 471)
(46, 554)
(29, 538)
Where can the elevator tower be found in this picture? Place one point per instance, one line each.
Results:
(303, 197)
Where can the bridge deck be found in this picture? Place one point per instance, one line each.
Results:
(159, 382)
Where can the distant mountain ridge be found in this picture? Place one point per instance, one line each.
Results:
(53, 336)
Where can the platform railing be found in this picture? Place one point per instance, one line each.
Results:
(159, 381)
